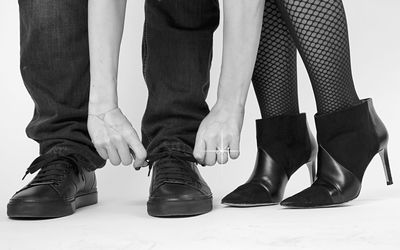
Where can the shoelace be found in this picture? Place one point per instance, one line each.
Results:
(168, 153)
(173, 172)
(53, 168)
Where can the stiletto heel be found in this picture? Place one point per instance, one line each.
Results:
(386, 167)
(312, 169)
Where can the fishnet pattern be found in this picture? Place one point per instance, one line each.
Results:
(319, 29)
(275, 73)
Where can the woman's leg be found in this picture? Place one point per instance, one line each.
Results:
(350, 133)
(319, 29)
(283, 139)
(275, 73)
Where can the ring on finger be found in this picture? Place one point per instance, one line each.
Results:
(221, 151)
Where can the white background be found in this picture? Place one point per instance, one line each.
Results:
(120, 220)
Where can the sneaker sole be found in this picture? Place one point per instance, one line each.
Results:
(178, 208)
(42, 210)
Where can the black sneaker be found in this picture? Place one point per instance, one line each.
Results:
(177, 189)
(60, 187)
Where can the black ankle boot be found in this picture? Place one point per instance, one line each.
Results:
(177, 189)
(284, 145)
(60, 187)
(348, 140)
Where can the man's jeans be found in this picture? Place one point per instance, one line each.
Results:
(177, 51)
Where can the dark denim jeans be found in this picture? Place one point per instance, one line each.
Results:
(177, 51)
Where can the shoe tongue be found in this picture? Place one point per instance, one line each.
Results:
(58, 163)
(57, 166)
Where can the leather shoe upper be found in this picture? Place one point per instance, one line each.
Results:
(175, 179)
(58, 179)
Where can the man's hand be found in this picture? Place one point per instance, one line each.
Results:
(113, 136)
(219, 135)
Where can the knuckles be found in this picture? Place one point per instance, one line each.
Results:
(101, 143)
(116, 138)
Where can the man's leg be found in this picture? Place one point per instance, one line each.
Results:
(55, 70)
(177, 52)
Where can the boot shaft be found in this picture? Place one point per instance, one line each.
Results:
(352, 136)
(287, 139)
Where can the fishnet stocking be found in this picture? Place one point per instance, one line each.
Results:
(275, 73)
(319, 29)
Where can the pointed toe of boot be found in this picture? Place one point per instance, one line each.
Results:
(249, 195)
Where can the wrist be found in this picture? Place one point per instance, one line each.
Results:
(231, 101)
(99, 104)
(102, 97)
(101, 108)
(229, 104)
(232, 93)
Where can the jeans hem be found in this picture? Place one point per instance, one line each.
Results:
(86, 157)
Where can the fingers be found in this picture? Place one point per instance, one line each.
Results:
(218, 149)
(102, 152)
(199, 151)
(113, 154)
(138, 149)
(222, 153)
(223, 148)
(113, 137)
(117, 150)
(123, 150)
(222, 156)
(211, 155)
(102, 148)
(234, 148)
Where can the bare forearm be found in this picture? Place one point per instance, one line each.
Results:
(242, 28)
(106, 24)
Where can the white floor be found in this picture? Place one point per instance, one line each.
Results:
(371, 222)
